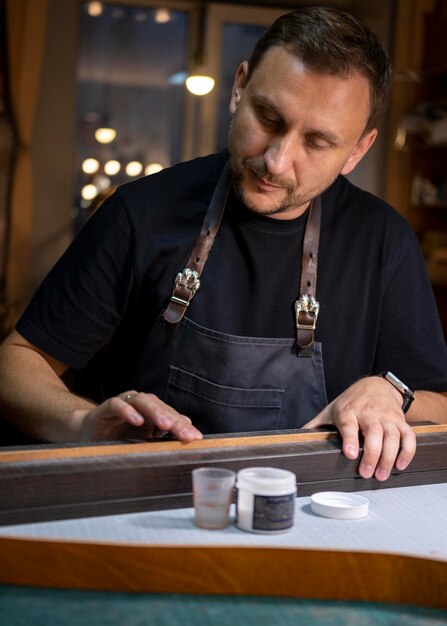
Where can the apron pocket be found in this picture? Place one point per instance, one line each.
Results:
(223, 409)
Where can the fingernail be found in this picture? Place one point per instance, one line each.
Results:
(351, 450)
(164, 422)
(137, 417)
(189, 432)
(382, 474)
(366, 471)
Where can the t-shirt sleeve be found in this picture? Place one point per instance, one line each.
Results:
(81, 301)
(411, 342)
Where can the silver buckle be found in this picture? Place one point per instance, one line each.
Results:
(306, 304)
(188, 279)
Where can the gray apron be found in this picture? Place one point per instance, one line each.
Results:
(226, 383)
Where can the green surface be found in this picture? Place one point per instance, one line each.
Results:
(47, 607)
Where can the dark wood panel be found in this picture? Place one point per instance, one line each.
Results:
(54, 483)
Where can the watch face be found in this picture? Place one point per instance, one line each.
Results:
(390, 377)
(400, 386)
(397, 383)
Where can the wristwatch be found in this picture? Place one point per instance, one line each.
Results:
(406, 392)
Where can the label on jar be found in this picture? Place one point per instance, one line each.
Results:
(273, 512)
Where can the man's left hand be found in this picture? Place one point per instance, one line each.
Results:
(371, 406)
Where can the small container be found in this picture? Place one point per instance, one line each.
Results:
(212, 496)
(265, 500)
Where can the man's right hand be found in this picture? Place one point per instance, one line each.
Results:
(35, 399)
(138, 415)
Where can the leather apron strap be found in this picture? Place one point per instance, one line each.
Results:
(188, 281)
(307, 307)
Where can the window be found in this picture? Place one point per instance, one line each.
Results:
(130, 95)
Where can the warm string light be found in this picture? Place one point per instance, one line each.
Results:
(100, 182)
(153, 168)
(90, 166)
(89, 192)
(134, 168)
(112, 167)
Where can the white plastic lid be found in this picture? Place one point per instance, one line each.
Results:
(264, 479)
(339, 505)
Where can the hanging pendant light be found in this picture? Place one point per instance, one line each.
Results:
(104, 134)
(199, 82)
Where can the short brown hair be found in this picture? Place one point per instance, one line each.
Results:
(335, 42)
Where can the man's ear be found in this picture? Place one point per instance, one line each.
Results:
(240, 80)
(359, 151)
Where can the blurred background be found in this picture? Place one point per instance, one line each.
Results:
(94, 94)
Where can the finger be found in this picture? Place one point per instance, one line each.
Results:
(121, 411)
(372, 449)
(348, 427)
(109, 419)
(390, 450)
(408, 448)
(164, 417)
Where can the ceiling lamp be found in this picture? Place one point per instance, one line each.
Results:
(105, 135)
(199, 82)
(162, 16)
(94, 9)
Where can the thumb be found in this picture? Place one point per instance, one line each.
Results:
(323, 418)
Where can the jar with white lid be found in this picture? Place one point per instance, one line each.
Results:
(265, 499)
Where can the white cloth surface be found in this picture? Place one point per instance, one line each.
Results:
(405, 520)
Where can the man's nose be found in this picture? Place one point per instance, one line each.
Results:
(281, 155)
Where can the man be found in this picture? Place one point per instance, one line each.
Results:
(246, 340)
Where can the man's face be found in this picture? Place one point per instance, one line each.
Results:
(293, 131)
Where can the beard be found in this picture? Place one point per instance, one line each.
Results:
(294, 197)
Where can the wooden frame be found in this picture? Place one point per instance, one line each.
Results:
(258, 571)
(42, 483)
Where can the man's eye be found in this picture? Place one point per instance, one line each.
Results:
(315, 144)
(267, 119)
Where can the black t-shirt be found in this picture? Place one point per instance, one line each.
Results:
(96, 308)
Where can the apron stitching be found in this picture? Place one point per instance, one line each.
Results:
(259, 341)
(247, 406)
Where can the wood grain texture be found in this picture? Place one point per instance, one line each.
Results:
(49, 483)
(282, 572)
